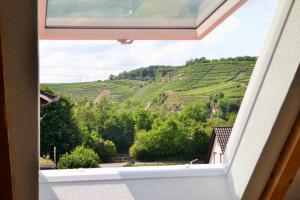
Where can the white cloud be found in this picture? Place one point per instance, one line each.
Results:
(63, 60)
(219, 33)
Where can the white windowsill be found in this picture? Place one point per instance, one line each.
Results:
(121, 173)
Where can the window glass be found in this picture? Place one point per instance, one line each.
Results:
(129, 13)
(147, 103)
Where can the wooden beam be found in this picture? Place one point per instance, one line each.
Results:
(5, 165)
(286, 166)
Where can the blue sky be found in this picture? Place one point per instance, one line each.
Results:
(241, 34)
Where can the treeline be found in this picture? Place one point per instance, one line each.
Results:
(144, 73)
(108, 129)
(204, 60)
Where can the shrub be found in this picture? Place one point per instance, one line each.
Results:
(79, 157)
(106, 149)
(139, 150)
(164, 141)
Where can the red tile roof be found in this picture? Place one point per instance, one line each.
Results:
(223, 134)
(220, 134)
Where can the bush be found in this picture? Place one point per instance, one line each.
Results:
(80, 157)
(139, 150)
(164, 141)
(106, 149)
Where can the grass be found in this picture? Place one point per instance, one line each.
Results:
(160, 163)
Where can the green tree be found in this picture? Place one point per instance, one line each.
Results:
(164, 141)
(86, 116)
(104, 109)
(143, 119)
(106, 149)
(119, 128)
(58, 128)
(195, 112)
(200, 138)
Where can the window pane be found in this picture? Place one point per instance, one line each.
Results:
(129, 13)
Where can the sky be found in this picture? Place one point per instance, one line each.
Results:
(240, 34)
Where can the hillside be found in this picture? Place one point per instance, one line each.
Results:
(168, 88)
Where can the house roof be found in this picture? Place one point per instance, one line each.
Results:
(220, 134)
(46, 97)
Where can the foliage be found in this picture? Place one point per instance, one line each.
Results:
(119, 128)
(143, 119)
(106, 149)
(58, 128)
(46, 161)
(80, 157)
(86, 116)
(165, 140)
(147, 73)
(229, 106)
(194, 112)
(90, 139)
(158, 112)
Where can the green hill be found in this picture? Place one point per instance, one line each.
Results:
(169, 88)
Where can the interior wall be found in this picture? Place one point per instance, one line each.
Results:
(20, 63)
(187, 188)
(276, 109)
(293, 191)
(5, 167)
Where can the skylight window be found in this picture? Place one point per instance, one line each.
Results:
(132, 19)
(129, 14)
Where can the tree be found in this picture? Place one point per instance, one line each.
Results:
(86, 117)
(199, 137)
(195, 112)
(104, 109)
(112, 77)
(58, 128)
(164, 141)
(106, 149)
(118, 128)
(143, 119)
(229, 106)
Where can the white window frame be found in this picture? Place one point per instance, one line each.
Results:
(235, 157)
(212, 21)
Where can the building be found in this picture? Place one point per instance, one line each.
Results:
(217, 145)
(46, 97)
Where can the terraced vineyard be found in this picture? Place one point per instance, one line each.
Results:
(176, 88)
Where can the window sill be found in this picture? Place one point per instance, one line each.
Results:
(126, 173)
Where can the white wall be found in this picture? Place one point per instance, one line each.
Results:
(187, 188)
(275, 108)
(216, 152)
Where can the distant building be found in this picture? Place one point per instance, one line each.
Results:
(46, 97)
(218, 143)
